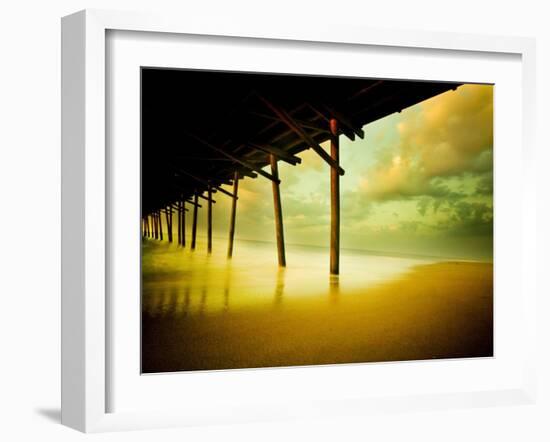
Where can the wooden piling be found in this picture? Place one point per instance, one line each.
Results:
(194, 231)
(233, 215)
(334, 200)
(182, 231)
(179, 223)
(156, 225)
(209, 218)
(160, 224)
(169, 222)
(278, 211)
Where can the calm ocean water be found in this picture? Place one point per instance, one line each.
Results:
(178, 280)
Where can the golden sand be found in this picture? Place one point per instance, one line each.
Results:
(438, 310)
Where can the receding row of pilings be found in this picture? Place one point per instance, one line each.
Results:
(152, 224)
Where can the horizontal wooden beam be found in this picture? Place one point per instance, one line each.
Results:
(214, 180)
(206, 198)
(278, 153)
(183, 191)
(366, 89)
(295, 141)
(205, 159)
(205, 181)
(270, 126)
(175, 207)
(244, 163)
(302, 123)
(289, 121)
(347, 132)
(226, 192)
(345, 120)
(190, 201)
(244, 173)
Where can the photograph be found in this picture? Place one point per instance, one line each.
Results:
(303, 220)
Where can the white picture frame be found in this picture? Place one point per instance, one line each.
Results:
(85, 350)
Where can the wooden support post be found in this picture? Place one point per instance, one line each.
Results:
(334, 200)
(210, 218)
(233, 214)
(148, 231)
(278, 211)
(160, 224)
(179, 223)
(169, 222)
(157, 229)
(194, 231)
(182, 231)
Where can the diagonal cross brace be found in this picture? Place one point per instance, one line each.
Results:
(289, 121)
(234, 158)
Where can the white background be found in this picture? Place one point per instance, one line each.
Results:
(30, 219)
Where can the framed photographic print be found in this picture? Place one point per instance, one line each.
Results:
(272, 291)
(260, 224)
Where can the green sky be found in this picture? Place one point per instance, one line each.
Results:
(420, 182)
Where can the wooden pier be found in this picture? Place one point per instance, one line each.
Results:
(202, 130)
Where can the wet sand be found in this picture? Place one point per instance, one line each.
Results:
(424, 311)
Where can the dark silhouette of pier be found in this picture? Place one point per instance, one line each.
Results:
(202, 130)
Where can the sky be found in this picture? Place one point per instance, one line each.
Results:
(420, 182)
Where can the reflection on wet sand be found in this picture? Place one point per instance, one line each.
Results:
(279, 286)
(205, 312)
(334, 288)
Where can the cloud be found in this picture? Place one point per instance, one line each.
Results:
(450, 135)
(485, 184)
(469, 219)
